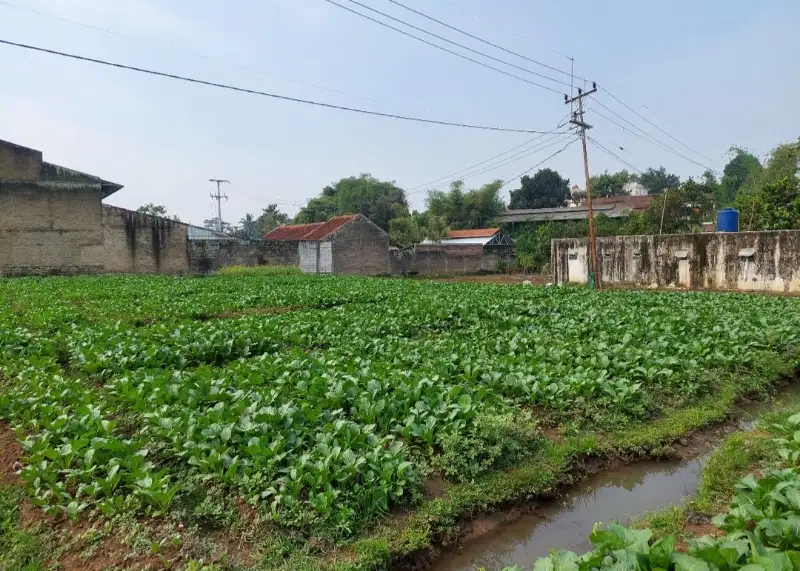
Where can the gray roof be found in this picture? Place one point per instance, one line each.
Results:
(562, 214)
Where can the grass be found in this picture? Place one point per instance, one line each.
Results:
(259, 271)
(20, 550)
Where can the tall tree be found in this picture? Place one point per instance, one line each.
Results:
(610, 184)
(739, 174)
(545, 189)
(656, 181)
(378, 200)
(475, 208)
(159, 210)
(271, 217)
(248, 228)
(211, 224)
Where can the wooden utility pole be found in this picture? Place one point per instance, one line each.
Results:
(577, 119)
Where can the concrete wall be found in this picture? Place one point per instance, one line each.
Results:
(449, 260)
(360, 247)
(756, 261)
(138, 243)
(49, 231)
(207, 256)
(19, 163)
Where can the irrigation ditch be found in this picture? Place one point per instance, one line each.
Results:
(617, 489)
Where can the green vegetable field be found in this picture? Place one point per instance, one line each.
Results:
(329, 407)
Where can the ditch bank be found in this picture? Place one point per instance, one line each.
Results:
(620, 493)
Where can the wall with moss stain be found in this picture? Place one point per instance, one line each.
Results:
(748, 261)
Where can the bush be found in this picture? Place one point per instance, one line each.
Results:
(259, 271)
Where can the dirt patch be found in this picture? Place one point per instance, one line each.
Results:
(435, 488)
(256, 311)
(696, 529)
(11, 454)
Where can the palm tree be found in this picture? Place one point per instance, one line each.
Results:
(249, 227)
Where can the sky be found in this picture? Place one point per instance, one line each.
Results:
(712, 74)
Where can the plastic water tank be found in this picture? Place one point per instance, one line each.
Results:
(728, 220)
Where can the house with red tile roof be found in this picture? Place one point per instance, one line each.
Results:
(349, 244)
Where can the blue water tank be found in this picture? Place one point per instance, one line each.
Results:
(728, 220)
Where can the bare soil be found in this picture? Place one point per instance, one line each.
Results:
(506, 279)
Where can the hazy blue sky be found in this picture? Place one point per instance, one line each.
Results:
(712, 73)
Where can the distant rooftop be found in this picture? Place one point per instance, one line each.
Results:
(612, 206)
(315, 231)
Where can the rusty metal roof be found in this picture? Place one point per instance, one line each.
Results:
(478, 233)
(314, 231)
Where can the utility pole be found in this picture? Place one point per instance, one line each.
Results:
(218, 197)
(577, 119)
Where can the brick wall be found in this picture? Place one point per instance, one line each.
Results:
(138, 243)
(360, 247)
(49, 231)
(207, 256)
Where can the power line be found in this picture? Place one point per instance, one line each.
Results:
(466, 174)
(623, 161)
(631, 109)
(647, 136)
(469, 168)
(487, 42)
(520, 175)
(517, 34)
(271, 95)
(193, 54)
(438, 47)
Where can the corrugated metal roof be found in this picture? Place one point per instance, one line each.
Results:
(637, 203)
(480, 241)
(477, 233)
(314, 231)
(198, 233)
(565, 213)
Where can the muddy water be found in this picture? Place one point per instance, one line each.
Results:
(613, 495)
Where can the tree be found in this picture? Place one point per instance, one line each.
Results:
(546, 189)
(406, 231)
(475, 208)
(378, 200)
(656, 181)
(270, 219)
(248, 228)
(211, 224)
(775, 207)
(610, 184)
(158, 210)
(783, 163)
(738, 175)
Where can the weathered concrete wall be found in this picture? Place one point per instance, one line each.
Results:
(138, 243)
(360, 247)
(207, 256)
(449, 260)
(756, 261)
(19, 163)
(49, 231)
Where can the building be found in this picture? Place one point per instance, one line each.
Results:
(350, 244)
(460, 252)
(611, 206)
(53, 221)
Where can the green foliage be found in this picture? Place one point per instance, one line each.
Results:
(776, 206)
(271, 217)
(496, 441)
(474, 208)
(545, 189)
(259, 271)
(610, 184)
(657, 181)
(159, 210)
(378, 200)
(19, 549)
(739, 175)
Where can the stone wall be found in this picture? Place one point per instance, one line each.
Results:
(49, 231)
(449, 260)
(207, 256)
(19, 163)
(139, 243)
(755, 261)
(360, 247)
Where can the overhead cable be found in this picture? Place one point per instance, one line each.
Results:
(632, 110)
(270, 95)
(438, 47)
(604, 148)
(520, 175)
(487, 42)
(194, 54)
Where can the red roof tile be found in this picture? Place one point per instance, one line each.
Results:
(479, 233)
(292, 232)
(310, 232)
